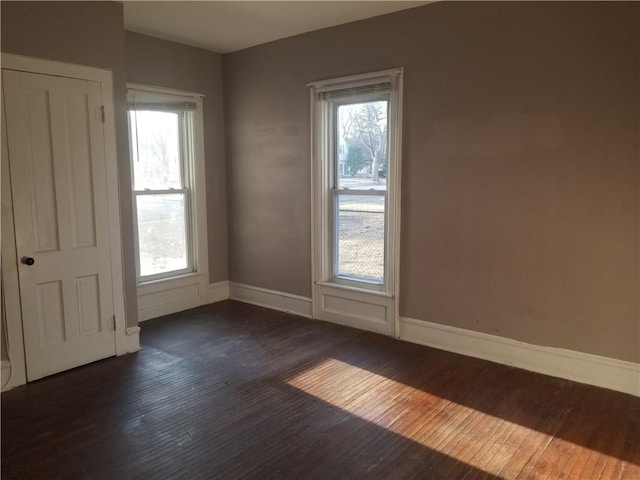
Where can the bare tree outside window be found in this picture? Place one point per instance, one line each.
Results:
(361, 167)
(363, 139)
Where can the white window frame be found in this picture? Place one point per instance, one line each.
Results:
(174, 291)
(343, 300)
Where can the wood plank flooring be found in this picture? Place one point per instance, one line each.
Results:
(231, 391)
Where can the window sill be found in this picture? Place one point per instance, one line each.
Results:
(351, 288)
(163, 283)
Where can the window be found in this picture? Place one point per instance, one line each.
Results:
(359, 187)
(356, 173)
(163, 157)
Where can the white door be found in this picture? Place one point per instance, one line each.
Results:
(56, 151)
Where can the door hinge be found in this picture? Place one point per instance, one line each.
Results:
(104, 116)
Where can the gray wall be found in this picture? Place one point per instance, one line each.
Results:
(167, 64)
(85, 33)
(520, 212)
(520, 198)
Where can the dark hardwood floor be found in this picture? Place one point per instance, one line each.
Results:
(235, 391)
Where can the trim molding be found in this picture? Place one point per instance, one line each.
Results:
(285, 302)
(131, 341)
(218, 291)
(171, 295)
(336, 302)
(143, 87)
(48, 66)
(175, 295)
(581, 367)
(355, 307)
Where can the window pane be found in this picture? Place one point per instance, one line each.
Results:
(155, 140)
(360, 237)
(362, 145)
(162, 233)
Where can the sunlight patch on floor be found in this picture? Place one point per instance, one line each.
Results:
(450, 428)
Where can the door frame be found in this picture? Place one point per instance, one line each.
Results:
(14, 335)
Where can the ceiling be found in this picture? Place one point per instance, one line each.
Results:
(229, 26)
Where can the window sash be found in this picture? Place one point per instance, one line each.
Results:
(184, 128)
(333, 99)
(189, 250)
(185, 137)
(336, 275)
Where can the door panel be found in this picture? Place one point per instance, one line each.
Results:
(41, 181)
(50, 313)
(88, 304)
(57, 167)
(75, 111)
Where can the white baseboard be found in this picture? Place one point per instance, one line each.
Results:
(131, 340)
(218, 291)
(577, 366)
(275, 300)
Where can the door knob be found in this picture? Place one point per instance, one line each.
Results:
(28, 260)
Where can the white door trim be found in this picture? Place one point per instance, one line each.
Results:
(16, 369)
(14, 319)
(43, 66)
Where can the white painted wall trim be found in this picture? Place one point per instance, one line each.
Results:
(194, 179)
(11, 290)
(353, 307)
(218, 291)
(46, 66)
(143, 87)
(131, 340)
(115, 231)
(163, 297)
(171, 295)
(332, 300)
(275, 300)
(568, 364)
(175, 294)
